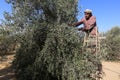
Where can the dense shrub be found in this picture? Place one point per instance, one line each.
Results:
(112, 44)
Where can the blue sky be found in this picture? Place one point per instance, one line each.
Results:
(4, 7)
(107, 12)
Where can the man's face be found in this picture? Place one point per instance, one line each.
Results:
(87, 15)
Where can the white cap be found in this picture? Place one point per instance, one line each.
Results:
(88, 11)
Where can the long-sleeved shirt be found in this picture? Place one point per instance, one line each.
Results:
(88, 24)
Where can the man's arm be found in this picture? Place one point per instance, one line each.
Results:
(77, 23)
(80, 22)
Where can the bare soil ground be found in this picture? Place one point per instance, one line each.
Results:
(111, 70)
(6, 70)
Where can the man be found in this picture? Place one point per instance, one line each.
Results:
(90, 27)
(89, 22)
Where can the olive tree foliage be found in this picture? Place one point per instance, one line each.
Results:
(27, 12)
(112, 44)
(50, 49)
(7, 41)
(3, 39)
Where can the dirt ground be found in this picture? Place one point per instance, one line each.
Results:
(6, 70)
(111, 69)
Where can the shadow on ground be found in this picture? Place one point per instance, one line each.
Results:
(7, 74)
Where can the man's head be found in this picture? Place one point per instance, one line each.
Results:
(88, 13)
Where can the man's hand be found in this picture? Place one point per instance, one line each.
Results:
(71, 24)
